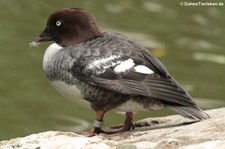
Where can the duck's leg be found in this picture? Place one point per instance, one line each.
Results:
(97, 124)
(128, 124)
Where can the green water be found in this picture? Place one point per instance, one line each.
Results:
(190, 41)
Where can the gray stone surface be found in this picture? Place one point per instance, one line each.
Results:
(164, 133)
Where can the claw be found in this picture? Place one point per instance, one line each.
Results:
(128, 125)
(120, 128)
(95, 131)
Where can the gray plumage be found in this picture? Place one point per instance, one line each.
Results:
(91, 67)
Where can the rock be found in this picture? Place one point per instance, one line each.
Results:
(164, 132)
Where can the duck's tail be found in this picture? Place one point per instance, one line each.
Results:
(190, 112)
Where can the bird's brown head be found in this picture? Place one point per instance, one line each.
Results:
(70, 26)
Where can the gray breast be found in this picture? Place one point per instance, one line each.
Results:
(56, 63)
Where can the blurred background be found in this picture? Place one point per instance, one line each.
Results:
(190, 41)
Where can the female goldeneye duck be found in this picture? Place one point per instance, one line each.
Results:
(108, 70)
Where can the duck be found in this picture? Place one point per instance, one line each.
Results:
(108, 71)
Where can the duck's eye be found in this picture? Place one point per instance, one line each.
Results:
(58, 23)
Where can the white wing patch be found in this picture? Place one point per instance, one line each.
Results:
(100, 65)
(104, 63)
(143, 69)
(124, 66)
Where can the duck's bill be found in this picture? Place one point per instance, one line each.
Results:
(44, 36)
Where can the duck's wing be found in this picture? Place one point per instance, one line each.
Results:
(118, 64)
(126, 67)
